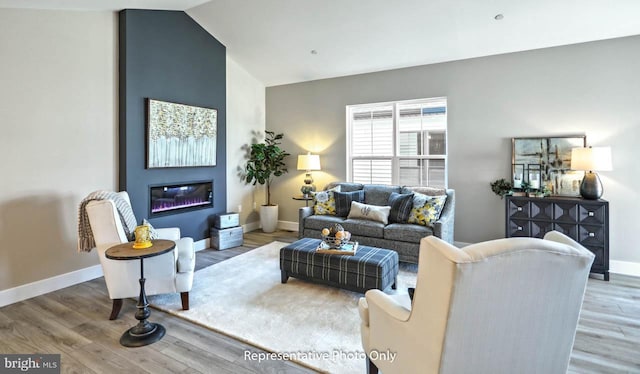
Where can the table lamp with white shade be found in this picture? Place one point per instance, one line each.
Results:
(591, 159)
(308, 163)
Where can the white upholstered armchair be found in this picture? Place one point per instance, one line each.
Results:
(502, 306)
(167, 273)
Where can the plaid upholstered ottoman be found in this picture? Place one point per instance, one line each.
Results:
(369, 268)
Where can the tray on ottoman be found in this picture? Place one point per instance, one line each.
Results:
(369, 268)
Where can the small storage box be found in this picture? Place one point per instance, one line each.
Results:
(226, 238)
(226, 220)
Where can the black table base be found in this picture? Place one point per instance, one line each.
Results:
(133, 339)
(145, 332)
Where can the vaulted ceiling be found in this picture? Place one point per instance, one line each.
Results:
(287, 41)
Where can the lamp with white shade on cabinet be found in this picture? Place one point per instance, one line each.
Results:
(308, 163)
(591, 159)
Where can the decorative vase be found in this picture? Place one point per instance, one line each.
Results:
(269, 217)
(143, 238)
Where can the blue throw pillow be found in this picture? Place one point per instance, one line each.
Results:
(344, 199)
(401, 205)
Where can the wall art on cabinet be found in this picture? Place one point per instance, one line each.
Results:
(552, 156)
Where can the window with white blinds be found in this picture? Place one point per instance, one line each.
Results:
(403, 143)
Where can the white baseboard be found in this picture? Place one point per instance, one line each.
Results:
(202, 244)
(29, 290)
(282, 225)
(247, 227)
(624, 267)
(288, 225)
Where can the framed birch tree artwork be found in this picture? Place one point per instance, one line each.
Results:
(180, 135)
(551, 157)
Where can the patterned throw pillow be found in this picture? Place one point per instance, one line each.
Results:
(344, 199)
(324, 202)
(153, 234)
(426, 209)
(371, 212)
(401, 205)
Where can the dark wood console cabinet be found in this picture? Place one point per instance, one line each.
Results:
(586, 221)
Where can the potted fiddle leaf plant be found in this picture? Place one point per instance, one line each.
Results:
(266, 161)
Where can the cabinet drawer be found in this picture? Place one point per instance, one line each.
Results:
(519, 227)
(592, 214)
(518, 209)
(600, 257)
(540, 228)
(590, 235)
(565, 212)
(569, 229)
(542, 210)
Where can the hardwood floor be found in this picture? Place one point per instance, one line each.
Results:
(74, 322)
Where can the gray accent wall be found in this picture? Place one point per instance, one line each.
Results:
(591, 88)
(166, 55)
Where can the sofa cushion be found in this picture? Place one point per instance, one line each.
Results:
(426, 209)
(344, 199)
(324, 202)
(406, 232)
(401, 205)
(378, 194)
(363, 227)
(370, 212)
(430, 191)
(345, 186)
(319, 222)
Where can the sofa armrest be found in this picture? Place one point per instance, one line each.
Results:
(304, 212)
(443, 227)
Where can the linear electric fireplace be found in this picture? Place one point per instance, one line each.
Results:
(178, 198)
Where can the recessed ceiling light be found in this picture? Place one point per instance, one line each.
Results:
(498, 17)
(314, 52)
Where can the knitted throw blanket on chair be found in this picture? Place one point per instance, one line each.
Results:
(86, 242)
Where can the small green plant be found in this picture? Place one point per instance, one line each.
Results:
(501, 187)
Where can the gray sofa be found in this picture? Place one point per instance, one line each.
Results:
(404, 238)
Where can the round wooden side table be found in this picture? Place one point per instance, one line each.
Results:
(305, 198)
(145, 332)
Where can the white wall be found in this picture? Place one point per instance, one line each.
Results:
(58, 142)
(590, 88)
(245, 117)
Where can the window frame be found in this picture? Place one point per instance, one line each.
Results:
(396, 157)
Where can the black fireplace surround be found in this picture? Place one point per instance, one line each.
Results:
(182, 197)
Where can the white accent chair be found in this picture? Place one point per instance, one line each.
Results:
(502, 306)
(167, 273)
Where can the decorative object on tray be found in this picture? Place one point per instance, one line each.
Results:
(348, 248)
(335, 236)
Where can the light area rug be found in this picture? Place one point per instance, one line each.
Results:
(315, 325)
